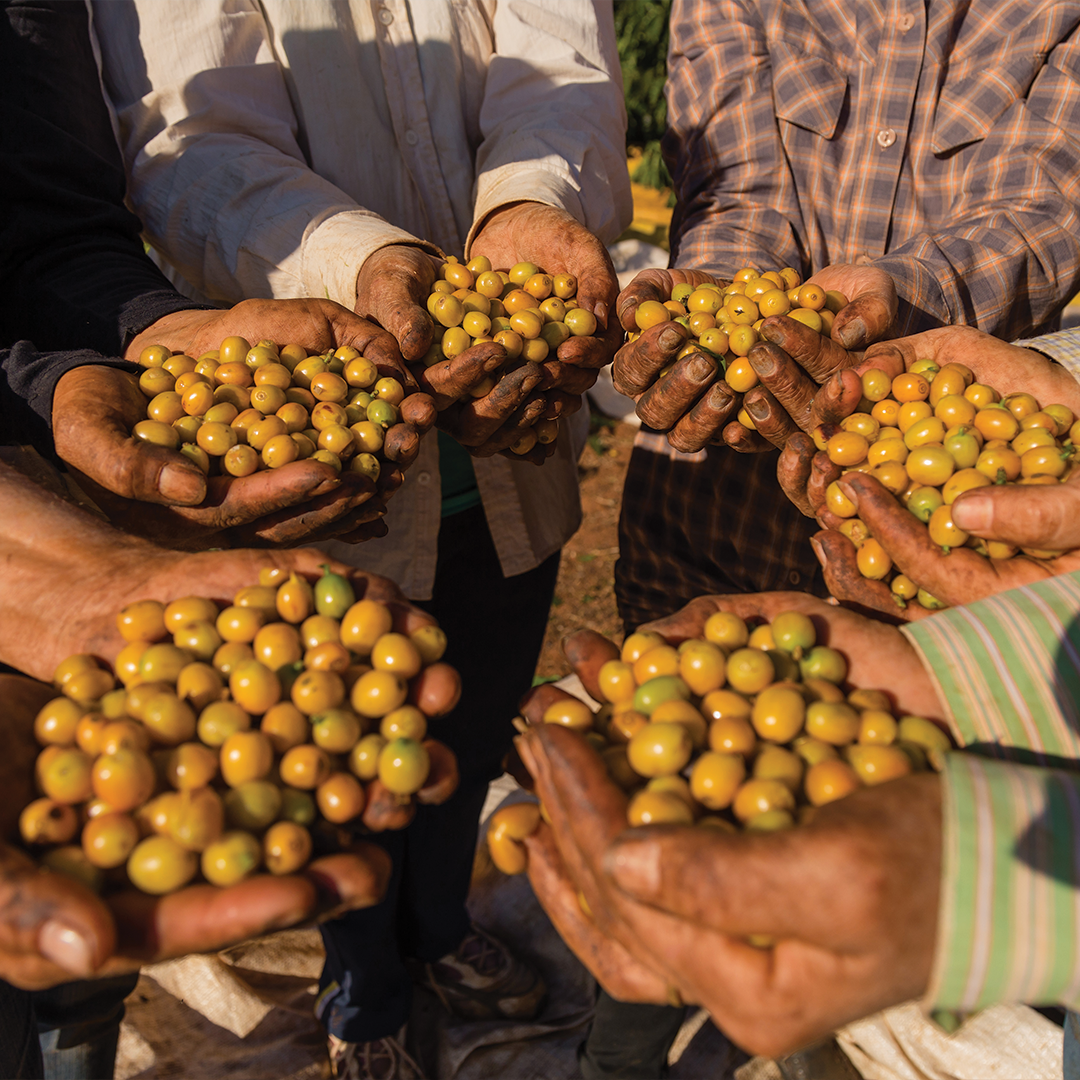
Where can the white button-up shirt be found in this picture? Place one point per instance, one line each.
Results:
(273, 146)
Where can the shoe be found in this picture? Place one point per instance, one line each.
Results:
(381, 1059)
(483, 980)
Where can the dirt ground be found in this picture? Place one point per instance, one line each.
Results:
(584, 595)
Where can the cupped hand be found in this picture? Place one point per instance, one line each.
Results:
(692, 403)
(163, 495)
(315, 324)
(53, 929)
(870, 312)
(961, 575)
(850, 901)
(68, 592)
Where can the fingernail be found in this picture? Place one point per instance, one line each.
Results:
(762, 361)
(853, 333)
(326, 487)
(700, 368)
(600, 311)
(493, 363)
(848, 488)
(819, 551)
(180, 485)
(635, 867)
(65, 947)
(757, 408)
(670, 338)
(973, 513)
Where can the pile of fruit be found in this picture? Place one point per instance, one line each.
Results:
(928, 435)
(528, 312)
(238, 409)
(738, 729)
(232, 732)
(725, 320)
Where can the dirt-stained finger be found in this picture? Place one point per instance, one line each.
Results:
(639, 362)
(703, 424)
(665, 403)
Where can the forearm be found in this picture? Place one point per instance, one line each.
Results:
(72, 267)
(554, 128)
(1009, 925)
(28, 380)
(1008, 669)
(218, 174)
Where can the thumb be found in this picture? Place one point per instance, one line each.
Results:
(141, 471)
(598, 287)
(588, 651)
(867, 316)
(736, 884)
(49, 919)
(1027, 516)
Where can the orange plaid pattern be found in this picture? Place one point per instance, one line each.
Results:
(938, 140)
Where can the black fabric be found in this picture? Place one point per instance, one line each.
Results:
(20, 1054)
(629, 1041)
(495, 628)
(73, 272)
(28, 379)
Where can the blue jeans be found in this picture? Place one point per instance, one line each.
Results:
(1071, 1070)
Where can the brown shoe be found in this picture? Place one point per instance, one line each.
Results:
(381, 1059)
(483, 980)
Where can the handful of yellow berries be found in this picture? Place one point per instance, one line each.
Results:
(233, 734)
(238, 409)
(930, 434)
(741, 728)
(527, 311)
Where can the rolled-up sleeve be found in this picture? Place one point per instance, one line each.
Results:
(553, 119)
(1008, 669)
(218, 173)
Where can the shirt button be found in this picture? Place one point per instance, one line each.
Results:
(386, 17)
(411, 137)
(794, 577)
(906, 22)
(423, 478)
(863, 260)
(885, 138)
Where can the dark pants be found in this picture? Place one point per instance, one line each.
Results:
(495, 627)
(69, 1032)
(696, 528)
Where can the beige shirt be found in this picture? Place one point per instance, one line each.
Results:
(273, 146)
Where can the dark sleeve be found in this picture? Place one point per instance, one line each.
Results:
(73, 271)
(27, 381)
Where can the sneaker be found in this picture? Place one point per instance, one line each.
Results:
(382, 1059)
(483, 980)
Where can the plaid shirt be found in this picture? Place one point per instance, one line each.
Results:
(938, 141)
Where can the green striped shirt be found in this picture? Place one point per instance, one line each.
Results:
(1008, 669)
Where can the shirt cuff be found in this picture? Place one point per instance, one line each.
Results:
(1009, 920)
(337, 247)
(1062, 346)
(511, 184)
(1008, 668)
(922, 303)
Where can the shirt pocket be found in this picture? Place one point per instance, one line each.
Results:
(808, 90)
(979, 91)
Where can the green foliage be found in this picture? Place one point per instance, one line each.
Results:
(641, 29)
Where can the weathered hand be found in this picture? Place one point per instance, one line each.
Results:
(692, 403)
(53, 929)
